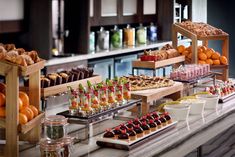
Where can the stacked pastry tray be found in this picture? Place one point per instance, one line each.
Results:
(124, 145)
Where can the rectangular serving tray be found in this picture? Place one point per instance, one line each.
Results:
(118, 144)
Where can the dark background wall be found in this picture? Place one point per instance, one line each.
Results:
(221, 14)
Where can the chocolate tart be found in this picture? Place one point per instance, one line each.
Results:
(158, 122)
(132, 134)
(168, 118)
(117, 132)
(109, 134)
(145, 127)
(139, 131)
(123, 136)
(130, 124)
(152, 125)
(163, 120)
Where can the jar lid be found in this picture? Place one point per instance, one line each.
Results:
(49, 145)
(55, 120)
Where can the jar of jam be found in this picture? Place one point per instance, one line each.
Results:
(129, 36)
(141, 35)
(50, 148)
(102, 39)
(116, 38)
(55, 127)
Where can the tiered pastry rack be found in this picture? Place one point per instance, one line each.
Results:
(176, 28)
(31, 130)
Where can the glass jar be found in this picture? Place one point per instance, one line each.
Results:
(73, 100)
(95, 104)
(141, 35)
(50, 148)
(116, 38)
(129, 36)
(67, 146)
(92, 42)
(127, 91)
(152, 33)
(55, 127)
(86, 104)
(102, 39)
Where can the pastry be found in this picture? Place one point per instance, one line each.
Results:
(149, 117)
(45, 82)
(152, 125)
(64, 76)
(117, 132)
(34, 56)
(155, 115)
(9, 47)
(20, 60)
(143, 119)
(139, 131)
(130, 124)
(132, 134)
(136, 122)
(52, 78)
(123, 127)
(123, 136)
(20, 51)
(11, 56)
(109, 134)
(158, 122)
(145, 127)
(168, 118)
(27, 59)
(163, 121)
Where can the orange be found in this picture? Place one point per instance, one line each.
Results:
(2, 88)
(28, 112)
(209, 53)
(223, 60)
(23, 118)
(215, 55)
(34, 109)
(202, 56)
(2, 112)
(209, 61)
(181, 48)
(20, 104)
(185, 53)
(216, 62)
(24, 98)
(2, 99)
(199, 50)
(190, 55)
(201, 62)
(204, 48)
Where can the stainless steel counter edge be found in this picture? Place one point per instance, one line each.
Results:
(56, 61)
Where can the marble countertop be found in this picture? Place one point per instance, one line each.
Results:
(178, 142)
(125, 50)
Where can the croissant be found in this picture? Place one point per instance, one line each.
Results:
(20, 51)
(11, 56)
(28, 59)
(34, 56)
(9, 47)
(20, 60)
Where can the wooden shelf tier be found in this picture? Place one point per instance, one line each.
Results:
(149, 95)
(176, 28)
(158, 64)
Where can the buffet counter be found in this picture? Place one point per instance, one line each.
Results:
(185, 138)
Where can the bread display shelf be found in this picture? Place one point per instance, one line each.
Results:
(28, 126)
(23, 70)
(57, 89)
(176, 28)
(118, 144)
(103, 113)
(157, 64)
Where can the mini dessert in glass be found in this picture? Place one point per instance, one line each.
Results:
(86, 106)
(73, 100)
(103, 97)
(119, 93)
(111, 94)
(127, 91)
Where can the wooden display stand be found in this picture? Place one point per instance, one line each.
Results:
(13, 129)
(176, 28)
(149, 95)
(151, 65)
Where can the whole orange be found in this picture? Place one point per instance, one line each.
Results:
(201, 62)
(2, 88)
(202, 56)
(24, 98)
(223, 60)
(2, 112)
(34, 109)
(216, 62)
(28, 112)
(23, 118)
(181, 48)
(209, 61)
(215, 55)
